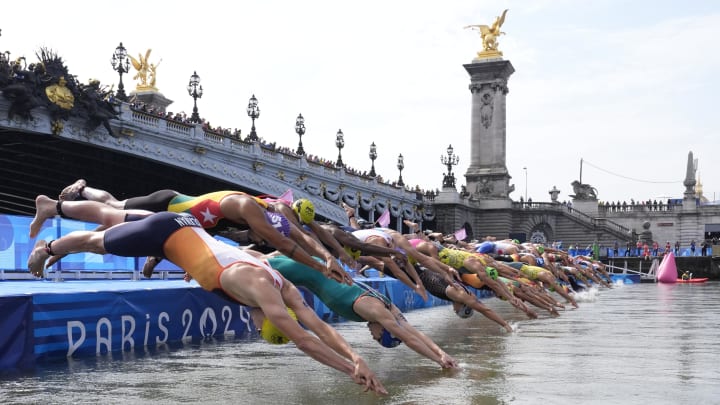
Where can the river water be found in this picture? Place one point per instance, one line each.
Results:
(633, 344)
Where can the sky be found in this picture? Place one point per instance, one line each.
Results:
(626, 87)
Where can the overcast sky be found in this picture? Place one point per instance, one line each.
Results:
(627, 86)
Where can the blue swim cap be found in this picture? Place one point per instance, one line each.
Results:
(539, 261)
(279, 222)
(485, 247)
(388, 340)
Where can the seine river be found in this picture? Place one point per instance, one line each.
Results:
(634, 344)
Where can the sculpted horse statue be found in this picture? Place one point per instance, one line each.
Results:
(490, 33)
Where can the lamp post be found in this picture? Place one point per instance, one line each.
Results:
(450, 160)
(525, 168)
(340, 143)
(300, 130)
(373, 156)
(400, 166)
(120, 64)
(195, 91)
(253, 112)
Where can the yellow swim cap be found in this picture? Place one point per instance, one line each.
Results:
(443, 255)
(354, 253)
(272, 334)
(305, 210)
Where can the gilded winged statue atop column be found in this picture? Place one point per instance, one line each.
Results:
(146, 71)
(489, 36)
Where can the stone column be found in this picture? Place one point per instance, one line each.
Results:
(689, 196)
(487, 176)
(152, 98)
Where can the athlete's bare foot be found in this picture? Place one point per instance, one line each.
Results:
(414, 227)
(36, 261)
(149, 265)
(72, 192)
(350, 211)
(45, 207)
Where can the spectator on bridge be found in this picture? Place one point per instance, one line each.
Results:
(628, 248)
(616, 248)
(692, 247)
(677, 247)
(703, 247)
(646, 251)
(667, 247)
(655, 248)
(638, 248)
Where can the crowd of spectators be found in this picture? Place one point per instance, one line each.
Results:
(648, 205)
(181, 117)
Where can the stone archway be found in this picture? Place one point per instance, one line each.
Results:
(540, 232)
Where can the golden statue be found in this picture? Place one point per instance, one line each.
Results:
(152, 74)
(489, 37)
(146, 74)
(60, 95)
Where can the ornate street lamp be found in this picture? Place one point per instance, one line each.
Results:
(120, 64)
(195, 91)
(300, 130)
(253, 112)
(373, 156)
(340, 143)
(400, 166)
(525, 168)
(450, 160)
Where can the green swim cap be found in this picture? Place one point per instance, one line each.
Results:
(492, 272)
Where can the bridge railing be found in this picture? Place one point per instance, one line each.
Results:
(569, 211)
(326, 168)
(618, 208)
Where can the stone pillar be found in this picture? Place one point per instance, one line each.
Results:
(587, 207)
(689, 196)
(487, 176)
(152, 98)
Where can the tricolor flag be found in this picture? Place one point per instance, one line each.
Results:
(460, 234)
(384, 219)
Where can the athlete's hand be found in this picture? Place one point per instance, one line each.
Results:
(448, 362)
(347, 259)
(364, 376)
(420, 289)
(453, 275)
(336, 272)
